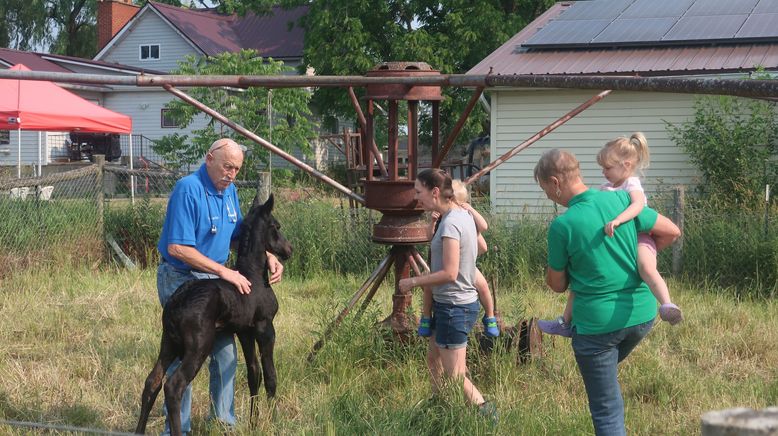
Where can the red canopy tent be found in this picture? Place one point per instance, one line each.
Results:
(45, 106)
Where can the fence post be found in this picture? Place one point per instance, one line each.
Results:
(678, 218)
(740, 421)
(100, 161)
(263, 186)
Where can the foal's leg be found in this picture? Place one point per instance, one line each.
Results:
(266, 338)
(177, 382)
(154, 384)
(252, 368)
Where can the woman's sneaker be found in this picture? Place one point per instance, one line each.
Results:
(490, 326)
(671, 313)
(556, 326)
(488, 410)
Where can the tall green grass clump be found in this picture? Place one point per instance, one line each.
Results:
(517, 250)
(35, 232)
(732, 248)
(136, 228)
(328, 237)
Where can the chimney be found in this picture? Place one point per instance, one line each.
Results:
(112, 15)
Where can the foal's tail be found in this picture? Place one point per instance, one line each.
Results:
(154, 383)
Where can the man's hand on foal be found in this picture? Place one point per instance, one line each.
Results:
(276, 268)
(237, 279)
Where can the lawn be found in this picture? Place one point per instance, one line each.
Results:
(77, 344)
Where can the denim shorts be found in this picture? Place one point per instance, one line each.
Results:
(453, 322)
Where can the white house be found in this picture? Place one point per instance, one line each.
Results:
(159, 36)
(616, 37)
(152, 39)
(53, 147)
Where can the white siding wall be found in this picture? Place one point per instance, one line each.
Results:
(145, 105)
(517, 115)
(29, 150)
(150, 29)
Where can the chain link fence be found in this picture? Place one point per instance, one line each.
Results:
(50, 219)
(67, 218)
(326, 234)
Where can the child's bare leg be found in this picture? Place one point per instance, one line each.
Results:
(650, 274)
(567, 315)
(484, 296)
(425, 323)
(426, 302)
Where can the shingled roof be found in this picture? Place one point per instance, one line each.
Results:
(58, 63)
(32, 60)
(277, 35)
(697, 57)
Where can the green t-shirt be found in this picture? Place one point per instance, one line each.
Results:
(603, 273)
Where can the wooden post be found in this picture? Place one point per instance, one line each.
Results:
(100, 161)
(678, 218)
(263, 186)
(740, 421)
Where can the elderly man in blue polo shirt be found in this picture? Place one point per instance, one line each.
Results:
(202, 220)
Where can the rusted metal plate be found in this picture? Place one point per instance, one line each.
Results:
(391, 196)
(403, 92)
(401, 229)
(530, 341)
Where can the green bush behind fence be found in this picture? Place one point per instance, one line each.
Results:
(725, 249)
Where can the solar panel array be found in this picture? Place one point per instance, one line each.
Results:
(620, 23)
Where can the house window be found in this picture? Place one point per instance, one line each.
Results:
(167, 120)
(5, 137)
(149, 52)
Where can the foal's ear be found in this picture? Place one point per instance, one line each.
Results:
(256, 202)
(268, 206)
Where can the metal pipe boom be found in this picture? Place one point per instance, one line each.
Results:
(767, 88)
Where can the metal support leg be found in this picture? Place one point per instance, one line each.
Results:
(377, 276)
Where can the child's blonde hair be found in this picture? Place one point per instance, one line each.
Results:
(622, 149)
(461, 195)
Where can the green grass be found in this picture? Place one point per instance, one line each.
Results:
(77, 345)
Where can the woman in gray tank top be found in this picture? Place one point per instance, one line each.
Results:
(450, 282)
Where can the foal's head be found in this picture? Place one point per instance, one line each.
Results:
(261, 231)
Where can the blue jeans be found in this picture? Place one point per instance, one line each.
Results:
(598, 357)
(223, 363)
(453, 322)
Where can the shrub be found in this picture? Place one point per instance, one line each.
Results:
(731, 141)
(136, 228)
(732, 249)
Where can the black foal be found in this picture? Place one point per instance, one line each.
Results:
(200, 309)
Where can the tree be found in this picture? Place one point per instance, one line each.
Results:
(23, 25)
(75, 21)
(291, 116)
(349, 37)
(58, 26)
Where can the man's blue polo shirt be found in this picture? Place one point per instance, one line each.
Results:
(194, 209)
